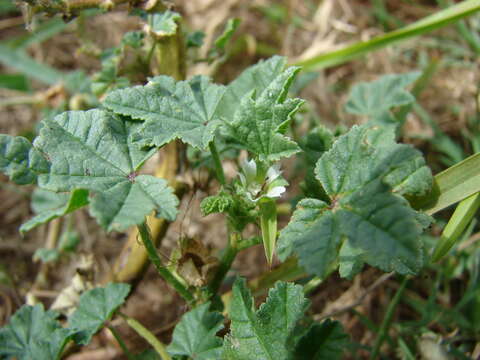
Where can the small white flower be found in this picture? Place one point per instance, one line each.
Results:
(256, 186)
(276, 191)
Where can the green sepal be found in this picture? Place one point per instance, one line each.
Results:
(268, 225)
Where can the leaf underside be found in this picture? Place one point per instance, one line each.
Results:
(367, 220)
(54, 205)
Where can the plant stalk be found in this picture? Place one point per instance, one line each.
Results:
(144, 232)
(382, 333)
(218, 164)
(122, 344)
(148, 336)
(225, 262)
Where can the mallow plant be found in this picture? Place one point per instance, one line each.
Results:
(355, 209)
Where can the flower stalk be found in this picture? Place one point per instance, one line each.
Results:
(144, 232)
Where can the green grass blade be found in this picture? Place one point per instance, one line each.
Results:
(44, 32)
(462, 216)
(451, 186)
(22, 62)
(427, 24)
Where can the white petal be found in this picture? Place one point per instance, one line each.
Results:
(242, 179)
(277, 191)
(249, 169)
(273, 173)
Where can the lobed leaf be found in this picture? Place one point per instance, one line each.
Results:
(20, 160)
(324, 341)
(184, 110)
(377, 97)
(164, 24)
(194, 335)
(255, 78)
(260, 122)
(267, 332)
(33, 334)
(93, 150)
(366, 221)
(96, 306)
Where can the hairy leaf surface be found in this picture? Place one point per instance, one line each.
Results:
(260, 122)
(20, 160)
(33, 334)
(93, 150)
(268, 332)
(377, 97)
(324, 341)
(164, 24)
(184, 109)
(96, 306)
(366, 221)
(194, 335)
(257, 77)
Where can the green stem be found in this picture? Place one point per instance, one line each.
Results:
(246, 243)
(382, 333)
(122, 344)
(217, 163)
(312, 285)
(225, 262)
(148, 336)
(144, 232)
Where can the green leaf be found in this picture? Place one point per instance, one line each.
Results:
(164, 24)
(455, 227)
(22, 62)
(260, 122)
(17, 82)
(43, 32)
(257, 77)
(93, 150)
(216, 204)
(54, 205)
(96, 306)
(46, 255)
(230, 28)
(377, 97)
(451, 186)
(316, 142)
(33, 334)
(20, 160)
(184, 109)
(194, 335)
(324, 341)
(268, 225)
(268, 332)
(367, 220)
(434, 21)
